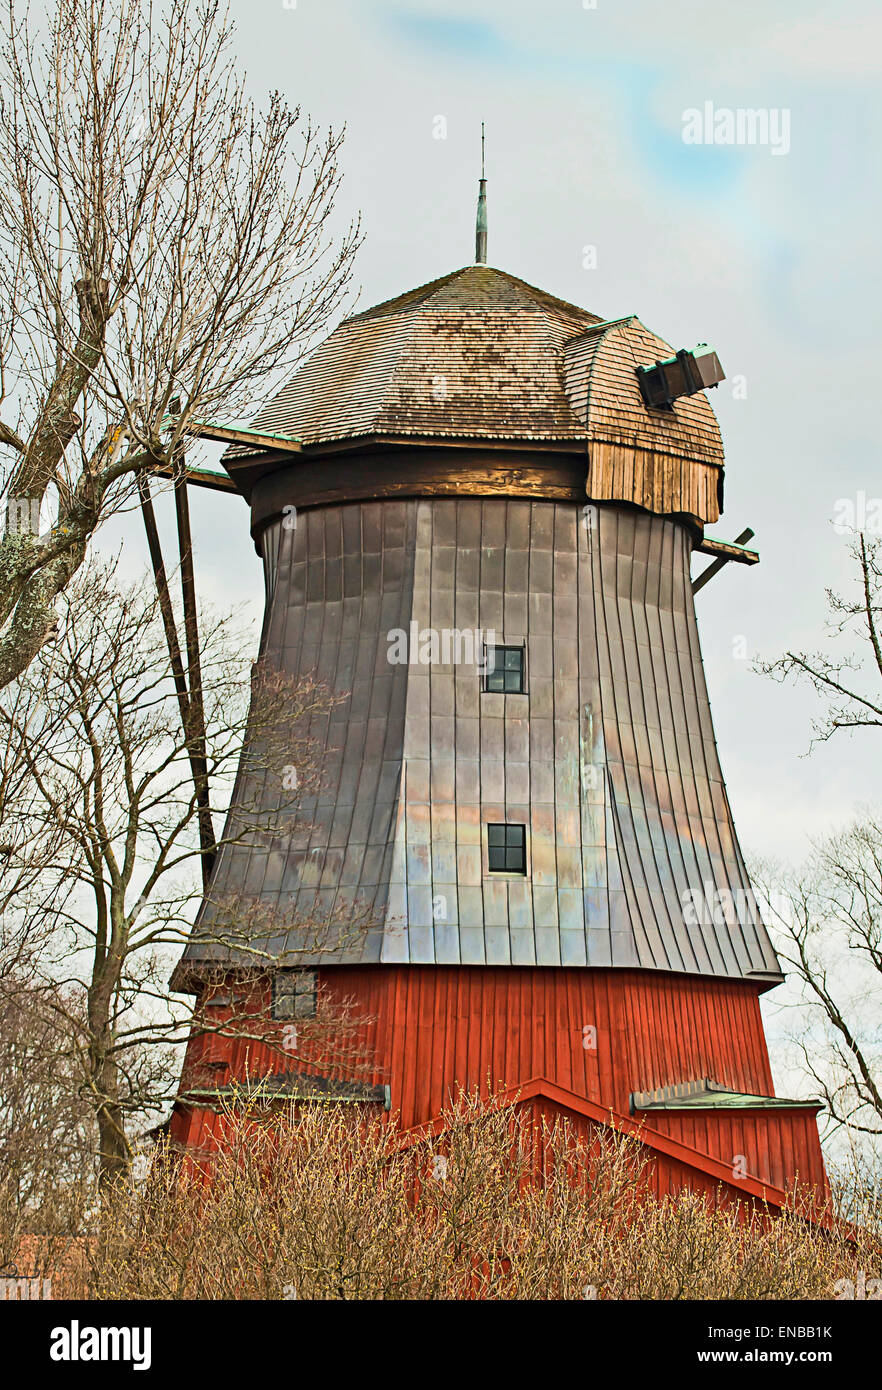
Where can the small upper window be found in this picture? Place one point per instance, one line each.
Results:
(507, 849)
(294, 994)
(504, 671)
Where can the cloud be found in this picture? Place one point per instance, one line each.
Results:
(828, 46)
(448, 34)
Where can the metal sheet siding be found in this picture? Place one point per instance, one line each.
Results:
(609, 758)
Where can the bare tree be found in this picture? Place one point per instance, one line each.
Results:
(851, 683)
(165, 250)
(319, 1203)
(103, 844)
(829, 916)
(47, 1132)
(828, 926)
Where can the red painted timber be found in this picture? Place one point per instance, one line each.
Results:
(438, 1028)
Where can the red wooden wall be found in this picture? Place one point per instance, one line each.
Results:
(433, 1029)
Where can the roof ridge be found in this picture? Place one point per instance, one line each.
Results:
(680, 1150)
(604, 325)
(412, 299)
(407, 298)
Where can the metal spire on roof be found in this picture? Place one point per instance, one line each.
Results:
(481, 220)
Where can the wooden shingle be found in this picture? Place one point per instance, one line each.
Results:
(481, 357)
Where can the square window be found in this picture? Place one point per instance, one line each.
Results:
(294, 994)
(507, 849)
(504, 671)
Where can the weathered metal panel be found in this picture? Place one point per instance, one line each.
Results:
(608, 758)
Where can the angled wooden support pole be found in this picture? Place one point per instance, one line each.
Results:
(165, 604)
(196, 739)
(189, 693)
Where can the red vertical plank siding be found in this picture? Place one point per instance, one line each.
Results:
(438, 1028)
(778, 1145)
(596, 1010)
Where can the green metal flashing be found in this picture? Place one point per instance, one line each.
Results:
(242, 429)
(705, 1094)
(605, 323)
(197, 427)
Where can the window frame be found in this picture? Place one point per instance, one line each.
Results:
(520, 647)
(301, 991)
(508, 848)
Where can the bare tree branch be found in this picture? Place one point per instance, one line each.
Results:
(100, 823)
(160, 237)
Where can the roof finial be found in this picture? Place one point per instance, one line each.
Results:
(481, 220)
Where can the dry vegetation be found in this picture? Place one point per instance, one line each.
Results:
(335, 1208)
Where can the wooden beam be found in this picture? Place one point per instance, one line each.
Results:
(258, 440)
(724, 551)
(165, 604)
(189, 698)
(196, 477)
(730, 550)
(217, 482)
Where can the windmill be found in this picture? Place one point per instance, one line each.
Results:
(477, 507)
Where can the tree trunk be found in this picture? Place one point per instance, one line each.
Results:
(113, 1150)
(103, 1080)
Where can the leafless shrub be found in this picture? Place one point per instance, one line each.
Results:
(333, 1204)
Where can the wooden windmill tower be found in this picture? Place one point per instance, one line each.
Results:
(536, 817)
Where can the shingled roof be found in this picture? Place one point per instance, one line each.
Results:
(476, 355)
(480, 355)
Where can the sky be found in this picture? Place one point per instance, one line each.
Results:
(770, 255)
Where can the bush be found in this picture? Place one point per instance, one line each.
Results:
(336, 1206)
